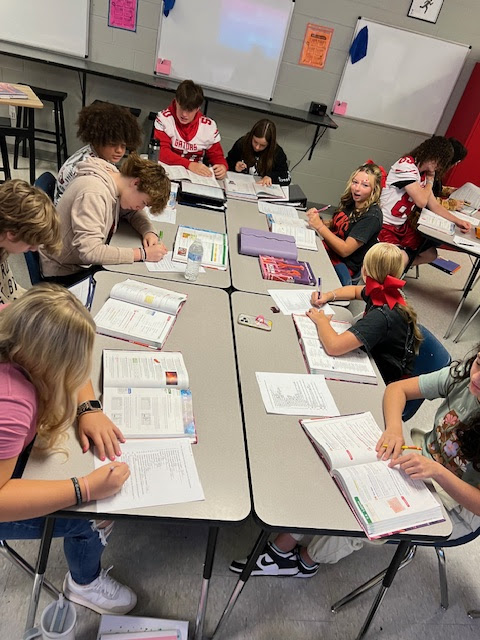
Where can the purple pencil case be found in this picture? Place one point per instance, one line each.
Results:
(255, 242)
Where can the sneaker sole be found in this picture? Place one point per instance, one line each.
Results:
(72, 597)
(287, 573)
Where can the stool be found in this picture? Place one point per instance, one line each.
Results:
(57, 98)
(133, 110)
(19, 133)
(5, 168)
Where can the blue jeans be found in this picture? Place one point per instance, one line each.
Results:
(343, 274)
(83, 545)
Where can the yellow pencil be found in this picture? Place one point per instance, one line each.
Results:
(406, 447)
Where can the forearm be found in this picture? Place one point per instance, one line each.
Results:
(464, 493)
(394, 401)
(215, 155)
(341, 247)
(349, 292)
(167, 155)
(22, 499)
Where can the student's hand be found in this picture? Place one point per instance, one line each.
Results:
(314, 219)
(156, 252)
(107, 480)
(266, 181)
(105, 435)
(240, 166)
(416, 466)
(219, 171)
(318, 317)
(389, 445)
(317, 300)
(463, 225)
(200, 169)
(149, 239)
(457, 204)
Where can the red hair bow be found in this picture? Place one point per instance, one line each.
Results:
(386, 293)
(382, 171)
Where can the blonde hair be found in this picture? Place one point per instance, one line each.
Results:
(152, 180)
(29, 214)
(375, 179)
(385, 259)
(50, 334)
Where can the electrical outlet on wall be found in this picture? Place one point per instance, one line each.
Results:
(12, 114)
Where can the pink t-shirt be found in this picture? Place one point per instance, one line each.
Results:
(18, 411)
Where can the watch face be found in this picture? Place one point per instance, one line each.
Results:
(95, 404)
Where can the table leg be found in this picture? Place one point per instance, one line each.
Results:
(466, 291)
(40, 568)
(207, 573)
(31, 142)
(252, 558)
(316, 138)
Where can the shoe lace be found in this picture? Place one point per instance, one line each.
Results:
(106, 585)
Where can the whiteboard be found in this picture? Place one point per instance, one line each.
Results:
(231, 45)
(405, 80)
(54, 25)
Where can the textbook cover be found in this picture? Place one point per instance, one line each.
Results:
(286, 270)
(8, 90)
(448, 266)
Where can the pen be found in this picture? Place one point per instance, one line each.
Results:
(467, 202)
(319, 288)
(464, 243)
(323, 208)
(406, 447)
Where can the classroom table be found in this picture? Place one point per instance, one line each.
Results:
(246, 274)
(447, 239)
(126, 236)
(219, 454)
(291, 487)
(30, 103)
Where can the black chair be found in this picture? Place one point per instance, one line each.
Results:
(58, 136)
(133, 110)
(19, 133)
(46, 182)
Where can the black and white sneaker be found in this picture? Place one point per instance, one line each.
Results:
(270, 563)
(304, 570)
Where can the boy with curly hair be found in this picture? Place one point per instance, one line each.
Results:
(108, 131)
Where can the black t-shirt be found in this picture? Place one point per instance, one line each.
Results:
(388, 337)
(365, 230)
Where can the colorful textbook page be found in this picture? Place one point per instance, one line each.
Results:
(215, 246)
(286, 270)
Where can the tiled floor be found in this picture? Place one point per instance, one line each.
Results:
(163, 563)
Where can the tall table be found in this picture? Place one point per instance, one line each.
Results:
(220, 452)
(291, 488)
(30, 103)
(126, 236)
(246, 274)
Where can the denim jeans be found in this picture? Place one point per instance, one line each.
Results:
(343, 274)
(83, 544)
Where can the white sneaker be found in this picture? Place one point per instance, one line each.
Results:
(103, 595)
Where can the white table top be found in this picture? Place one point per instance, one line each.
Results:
(126, 236)
(205, 339)
(446, 238)
(291, 486)
(246, 274)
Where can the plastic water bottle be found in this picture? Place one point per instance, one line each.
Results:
(194, 260)
(153, 150)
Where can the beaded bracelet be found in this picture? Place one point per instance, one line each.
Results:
(78, 492)
(87, 488)
(143, 254)
(334, 296)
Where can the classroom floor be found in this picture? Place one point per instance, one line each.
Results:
(163, 562)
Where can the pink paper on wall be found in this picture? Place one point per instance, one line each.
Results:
(163, 66)
(340, 108)
(122, 14)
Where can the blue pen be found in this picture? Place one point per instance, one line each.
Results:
(319, 289)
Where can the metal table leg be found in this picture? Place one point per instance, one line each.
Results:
(466, 291)
(40, 567)
(207, 573)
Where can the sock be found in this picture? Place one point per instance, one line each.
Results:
(283, 554)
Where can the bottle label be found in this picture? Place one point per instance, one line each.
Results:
(195, 257)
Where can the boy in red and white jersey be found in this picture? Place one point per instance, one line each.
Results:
(187, 137)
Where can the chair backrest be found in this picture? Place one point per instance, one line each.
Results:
(46, 182)
(432, 356)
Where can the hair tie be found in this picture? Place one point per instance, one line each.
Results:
(386, 293)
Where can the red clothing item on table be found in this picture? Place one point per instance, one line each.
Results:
(197, 141)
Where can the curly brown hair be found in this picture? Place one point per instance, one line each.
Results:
(436, 148)
(103, 123)
(152, 180)
(29, 214)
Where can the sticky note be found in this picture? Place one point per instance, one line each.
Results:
(340, 108)
(163, 66)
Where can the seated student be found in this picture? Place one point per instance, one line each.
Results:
(90, 211)
(27, 220)
(355, 224)
(258, 154)
(187, 137)
(443, 192)
(409, 184)
(108, 131)
(450, 459)
(46, 343)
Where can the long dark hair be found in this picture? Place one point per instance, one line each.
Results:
(468, 435)
(262, 129)
(435, 148)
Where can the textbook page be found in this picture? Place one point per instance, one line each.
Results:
(304, 238)
(240, 185)
(432, 220)
(167, 264)
(354, 366)
(466, 243)
(274, 191)
(179, 173)
(144, 369)
(280, 219)
(296, 394)
(169, 214)
(147, 295)
(468, 192)
(278, 209)
(124, 624)
(468, 218)
(346, 440)
(215, 246)
(308, 329)
(296, 301)
(162, 472)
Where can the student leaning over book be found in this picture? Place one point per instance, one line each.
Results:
(450, 459)
(90, 210)
(27, 220)
(388, 330)
(258, 154)
(46, 343)
(355, 224)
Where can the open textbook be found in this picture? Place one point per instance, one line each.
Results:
(215, 246)
(178, 173)
(304, 238)
(111, 626)
(295, 301)
(241, 186)
(433, 221)
(146, 394)
(139, 312)
(470, 193)
(354, 366)
(384, 499)
(296, 394)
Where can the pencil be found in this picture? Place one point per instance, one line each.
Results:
(406, 447)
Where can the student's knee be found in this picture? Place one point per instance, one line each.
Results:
(331, 549)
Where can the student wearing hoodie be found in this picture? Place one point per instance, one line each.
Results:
(187, 137)
(90, 210)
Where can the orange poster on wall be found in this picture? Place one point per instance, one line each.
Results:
(315, 45)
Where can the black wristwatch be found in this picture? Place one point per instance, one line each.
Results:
(89, 405)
